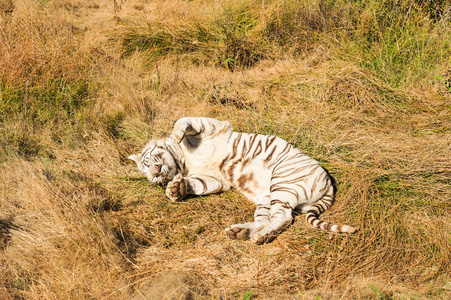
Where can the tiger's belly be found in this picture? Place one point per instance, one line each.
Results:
(251, 177)
(211, 158)
(206, 158)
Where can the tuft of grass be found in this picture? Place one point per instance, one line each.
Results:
(379, 294)
(247, 295)
(241, 33)
(398, 42)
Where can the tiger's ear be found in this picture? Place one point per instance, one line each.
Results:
(136, 158)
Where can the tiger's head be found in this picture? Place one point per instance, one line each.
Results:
(161, 160)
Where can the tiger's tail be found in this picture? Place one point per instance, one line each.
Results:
(321, 206)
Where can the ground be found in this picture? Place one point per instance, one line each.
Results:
(364, 88)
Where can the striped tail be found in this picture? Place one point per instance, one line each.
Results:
(321, 206)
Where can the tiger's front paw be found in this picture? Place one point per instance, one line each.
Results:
(176, 189)
(180, 129)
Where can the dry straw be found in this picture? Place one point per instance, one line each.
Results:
(362, 87)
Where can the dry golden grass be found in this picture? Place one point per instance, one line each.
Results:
(86, 83)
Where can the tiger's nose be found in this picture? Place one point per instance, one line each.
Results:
(158, 168)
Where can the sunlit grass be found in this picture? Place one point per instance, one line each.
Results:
(361, 87)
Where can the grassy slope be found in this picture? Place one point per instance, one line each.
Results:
(364, 88)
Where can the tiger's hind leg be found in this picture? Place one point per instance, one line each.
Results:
(272, 216)
(262, 217)
(281, 216)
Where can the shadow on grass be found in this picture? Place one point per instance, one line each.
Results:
(6, 225)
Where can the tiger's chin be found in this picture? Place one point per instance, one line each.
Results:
(161, 178)
(157, 180)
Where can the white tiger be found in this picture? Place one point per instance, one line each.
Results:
(204, 156)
